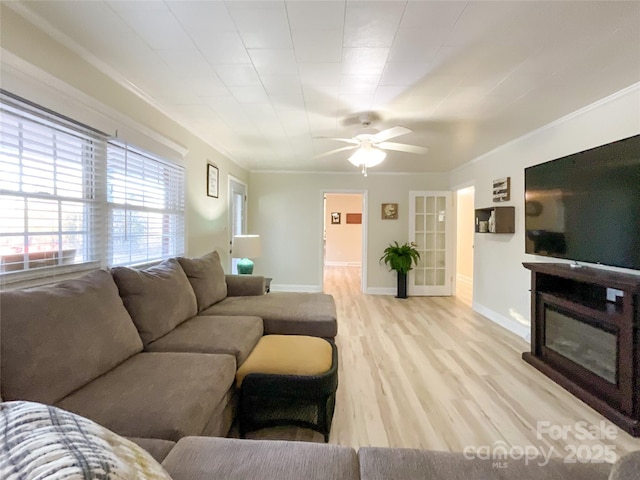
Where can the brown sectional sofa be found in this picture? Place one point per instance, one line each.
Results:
(134, 350)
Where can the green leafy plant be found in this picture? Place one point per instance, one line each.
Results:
(400, 257)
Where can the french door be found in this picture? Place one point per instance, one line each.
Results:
(430, 228)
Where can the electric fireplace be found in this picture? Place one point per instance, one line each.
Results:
(585, 335)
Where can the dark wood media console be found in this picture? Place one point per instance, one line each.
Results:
(586, 337)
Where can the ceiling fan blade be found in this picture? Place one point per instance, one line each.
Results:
(402, 147)
(346, 140)
(325, 154)
(390, 133)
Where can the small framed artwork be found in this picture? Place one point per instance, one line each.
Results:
(389, 211)
(354, 218)
(212, 180)
(335, 218)
(502, 189)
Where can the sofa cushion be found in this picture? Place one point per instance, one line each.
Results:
(157, 395)
(200, 458)
(207, 278)
(40, 441)
(155, 447)
(158, 298)
(627, 467)
(408, 464)
(55, 339)
(231, 335)
(286, 313)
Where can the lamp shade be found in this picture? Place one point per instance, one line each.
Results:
(246, 246)
(369, 157)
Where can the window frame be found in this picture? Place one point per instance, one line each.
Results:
(91, 179)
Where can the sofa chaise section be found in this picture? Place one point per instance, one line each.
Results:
(285, 313)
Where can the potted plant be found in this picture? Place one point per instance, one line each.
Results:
(401, 258)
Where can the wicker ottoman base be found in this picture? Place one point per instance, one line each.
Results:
(275, 399)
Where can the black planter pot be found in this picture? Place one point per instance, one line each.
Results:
(402, 285)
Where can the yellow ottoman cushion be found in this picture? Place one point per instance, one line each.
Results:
(287, 355)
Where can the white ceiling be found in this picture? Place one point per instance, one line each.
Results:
(261, 79)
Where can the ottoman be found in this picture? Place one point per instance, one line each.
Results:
(288, 380)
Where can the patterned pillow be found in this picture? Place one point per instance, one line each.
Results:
(43, 442)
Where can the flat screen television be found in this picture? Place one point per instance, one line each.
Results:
(586, 206)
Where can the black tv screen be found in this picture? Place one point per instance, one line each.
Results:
(586, 206)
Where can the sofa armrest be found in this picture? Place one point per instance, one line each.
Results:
(245, 285)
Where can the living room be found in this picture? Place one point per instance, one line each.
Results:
(41, 64)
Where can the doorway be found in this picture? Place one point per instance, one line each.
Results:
(237, 214)
(464, 243)
(343, 230)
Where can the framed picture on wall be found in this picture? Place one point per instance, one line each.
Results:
(389, 211)
(335, 218)
(212, 180)
(502, 189)
(354, 218)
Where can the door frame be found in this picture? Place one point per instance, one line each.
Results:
(455, 189)
(245, 222)
(365, 222)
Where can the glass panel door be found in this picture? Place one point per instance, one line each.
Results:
(429, 228)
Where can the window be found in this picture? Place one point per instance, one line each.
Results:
(146, 207)
(70, 198)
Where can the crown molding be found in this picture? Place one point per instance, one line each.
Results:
(112, 73)
(551, 125)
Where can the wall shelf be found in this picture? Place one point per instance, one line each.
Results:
(505, 219)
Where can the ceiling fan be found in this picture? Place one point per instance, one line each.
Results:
(371, 143)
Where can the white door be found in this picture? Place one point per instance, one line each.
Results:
(430, 228)
(237, 214)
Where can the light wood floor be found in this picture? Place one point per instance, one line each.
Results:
(428, 372)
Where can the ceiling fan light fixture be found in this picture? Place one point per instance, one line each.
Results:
(368, 157)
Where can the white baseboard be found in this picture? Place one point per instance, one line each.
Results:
(295, 288)
(380, 291)
(342, 264)
(519, 329)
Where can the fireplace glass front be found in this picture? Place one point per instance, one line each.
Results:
(591, 347)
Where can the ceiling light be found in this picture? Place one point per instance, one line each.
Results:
(367, 157)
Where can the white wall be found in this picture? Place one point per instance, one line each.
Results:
(286, 210)
(343, 244)
(38, 68)
(501, 284)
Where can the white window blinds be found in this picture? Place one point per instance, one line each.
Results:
(70, 198)
(146, 206)
(48, 190)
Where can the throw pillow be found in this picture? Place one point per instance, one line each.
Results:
(158, 298)
(206, 277)
(39, 441)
